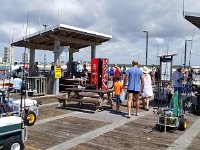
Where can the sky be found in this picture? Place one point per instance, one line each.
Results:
(125, 20)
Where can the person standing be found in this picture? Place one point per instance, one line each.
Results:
(36, 69)
(118, 90)
(79, 67)
(124, 71)
(84, 75)
(117, 73)
(177, 78)
(135, 79)
(153, 70)
(111, 73)
(148, 92)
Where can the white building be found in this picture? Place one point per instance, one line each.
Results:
(8, 55)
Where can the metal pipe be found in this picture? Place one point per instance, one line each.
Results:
(147, 37)
(185, 55)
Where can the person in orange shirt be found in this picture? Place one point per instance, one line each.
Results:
(118, 90)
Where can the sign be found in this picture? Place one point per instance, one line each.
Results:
(166, 68)
(166, 71)
(58, 72)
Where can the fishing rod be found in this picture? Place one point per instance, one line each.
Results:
(11, 62)
(191, 47)
(23, 87)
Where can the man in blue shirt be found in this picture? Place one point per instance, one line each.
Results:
(134, 77)
(177, 78)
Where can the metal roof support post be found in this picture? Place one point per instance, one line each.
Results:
(57, 52)
(93, 51)
(31, 62)
(70, 60)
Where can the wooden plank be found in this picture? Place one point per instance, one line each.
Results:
(52, 133)
(139, 134)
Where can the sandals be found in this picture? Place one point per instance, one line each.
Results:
(137, 115)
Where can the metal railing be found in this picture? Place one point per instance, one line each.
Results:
(38, 85)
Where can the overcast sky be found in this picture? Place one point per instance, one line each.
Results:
(125, 20)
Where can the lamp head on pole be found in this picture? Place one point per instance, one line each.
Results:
(188, 40)
(145, 31)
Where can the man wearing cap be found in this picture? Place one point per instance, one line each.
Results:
(177, 78)
(135, 79)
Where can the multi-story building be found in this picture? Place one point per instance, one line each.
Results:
(8, 55)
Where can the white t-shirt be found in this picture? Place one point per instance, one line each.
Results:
(17, 84)
(79, 68)
(14, 67)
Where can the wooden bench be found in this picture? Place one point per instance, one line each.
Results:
(68, 85)
(92, 95)
(96, 101)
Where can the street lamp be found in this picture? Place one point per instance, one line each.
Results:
(146, 44)
(185, 52)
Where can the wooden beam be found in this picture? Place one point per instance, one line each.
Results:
(73, 50)
(73, 40)
(39, 46)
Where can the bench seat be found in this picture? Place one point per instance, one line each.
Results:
(96, 101)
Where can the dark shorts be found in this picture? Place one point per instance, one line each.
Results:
(117, 99)
(132, 91)
(179, 89)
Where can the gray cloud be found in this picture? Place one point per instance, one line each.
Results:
(125, 20)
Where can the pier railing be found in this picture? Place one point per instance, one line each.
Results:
(38, 85)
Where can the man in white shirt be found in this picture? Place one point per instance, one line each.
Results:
(177, 78)
(17, 84)
(79, 67)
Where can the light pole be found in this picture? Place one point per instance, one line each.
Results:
(146, 44)
(185, 52)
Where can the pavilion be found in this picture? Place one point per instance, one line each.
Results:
(59, 36)
(193, 17)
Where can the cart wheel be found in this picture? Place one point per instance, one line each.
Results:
(183, 123)
(31, 118)
(159, 127)
(13, 143)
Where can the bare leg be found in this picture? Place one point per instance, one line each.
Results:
(136, 96)
(130, 100)
(143, 102)
(147, 103)
(117, 107)
(133, 103)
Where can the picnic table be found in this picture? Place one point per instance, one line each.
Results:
(70, 83)
(82, 95)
